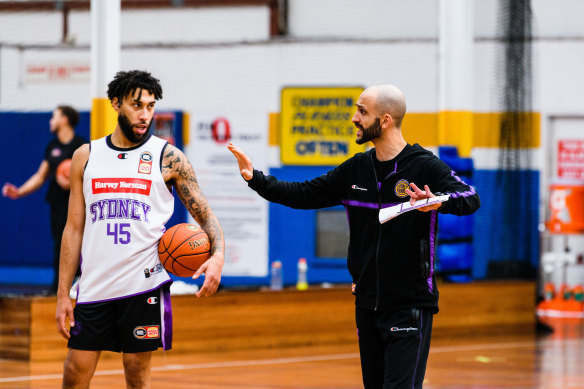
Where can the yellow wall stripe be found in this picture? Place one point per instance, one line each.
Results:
(186, 128)
(455, 129)
(423, 128)
(274, 129)
(103, 118)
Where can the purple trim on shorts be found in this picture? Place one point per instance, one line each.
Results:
(432, 244)
(379, 185)
(419, 348)
(123, 297)
(166, 319)
(361, 204)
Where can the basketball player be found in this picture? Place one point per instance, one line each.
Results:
(62, 124)
(392, 264)
(121, 198)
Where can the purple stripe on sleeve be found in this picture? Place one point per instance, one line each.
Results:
(166, 318)
(432, 246)
(355, 203)
(463, 194)
(387, 205)
(467, 193)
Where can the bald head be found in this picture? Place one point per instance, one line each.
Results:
(389, 99)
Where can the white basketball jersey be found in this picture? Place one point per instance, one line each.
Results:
(127, 205)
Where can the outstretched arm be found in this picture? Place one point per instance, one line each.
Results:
(31, 185)
(319, 192)
(178, 172)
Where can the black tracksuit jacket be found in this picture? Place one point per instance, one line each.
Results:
(392, 264)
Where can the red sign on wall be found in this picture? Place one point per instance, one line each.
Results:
(571, 159)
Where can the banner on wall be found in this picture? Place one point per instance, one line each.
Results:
(38, 72)
(570, 159)
(243, 214)
(316, 127)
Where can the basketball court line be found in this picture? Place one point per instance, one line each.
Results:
(315, 358)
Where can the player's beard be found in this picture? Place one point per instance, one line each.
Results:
(128, 129)
(369, 133)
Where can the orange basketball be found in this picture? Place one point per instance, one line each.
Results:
(183, 248)
(63, 169)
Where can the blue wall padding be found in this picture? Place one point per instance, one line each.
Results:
(455, 233)
(454, 257)
(506, 225)
(452, 227)
(293, 234)
(462, 166)
(26, 237)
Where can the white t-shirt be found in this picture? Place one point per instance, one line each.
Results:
(127, 204)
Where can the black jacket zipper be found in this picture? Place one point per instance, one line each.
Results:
(378, 185)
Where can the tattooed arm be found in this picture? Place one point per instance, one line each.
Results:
(177, 171)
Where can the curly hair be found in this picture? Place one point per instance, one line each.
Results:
(126, 83)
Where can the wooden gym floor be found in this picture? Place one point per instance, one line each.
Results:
(503, 353)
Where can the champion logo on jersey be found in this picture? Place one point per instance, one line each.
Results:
(121, 185)
(152, 300)
(358, 188)
(145, 166)
(123, 156)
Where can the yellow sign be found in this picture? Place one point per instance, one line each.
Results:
(316, 127)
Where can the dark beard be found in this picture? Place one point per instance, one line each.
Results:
(369, 133)
(128, 130)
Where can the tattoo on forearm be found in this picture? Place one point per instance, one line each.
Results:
(180, 172)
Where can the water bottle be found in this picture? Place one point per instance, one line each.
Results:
(302, 283)
(276, 276)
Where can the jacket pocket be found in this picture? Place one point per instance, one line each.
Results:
(424, 259)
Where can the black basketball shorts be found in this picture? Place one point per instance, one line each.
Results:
(132, 324)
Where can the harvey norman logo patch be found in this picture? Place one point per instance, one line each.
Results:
(121, 185)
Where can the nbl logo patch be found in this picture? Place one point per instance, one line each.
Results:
(145, 166)
(400, 188)
(147, 332)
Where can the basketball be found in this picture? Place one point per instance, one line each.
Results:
(63, 170)
(183, 248)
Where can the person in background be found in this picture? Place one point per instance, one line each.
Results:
(392, 264)
(66, 141)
